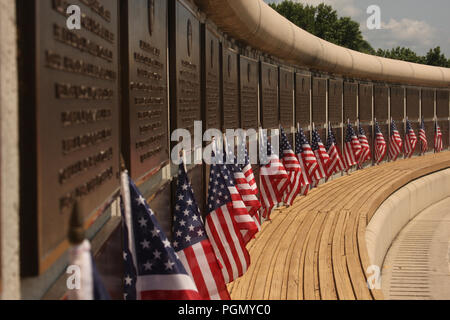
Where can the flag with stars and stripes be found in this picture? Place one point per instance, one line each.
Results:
(322, 157)
(273, 177)
(224, 212)
(248, 224)
(159, 272)
(438, 145)
(192, 244)
(293, 169)
(396, 143)
(365, 155)
(410, 140)
(380, 144)
(246, 167)
(307, 160)
(423, 137)
(336, 164)
(352, 148)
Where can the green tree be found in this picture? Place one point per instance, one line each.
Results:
(435, 57)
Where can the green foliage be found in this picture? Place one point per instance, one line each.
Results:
(324, 22)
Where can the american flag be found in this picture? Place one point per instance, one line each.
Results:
(336, 164)
(274, 179)
(250, 223)
(225, 207)
(366, 155)
(396, 143)
(322, 157)
(307, 160)
(423, 137)
(153, 271)
(410, 140)
(380, 144)
(246, 167)
(192, 244)
(438, 146)
(352, 148)
(293, 169)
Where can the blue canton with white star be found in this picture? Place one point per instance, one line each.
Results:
(284, 143)
(350, 133)
(188, 228)
(393, 127)
(300, 141)
(218, 193)
(331, 138)
(315, 140)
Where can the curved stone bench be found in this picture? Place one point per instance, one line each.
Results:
(316, 249)
(400, 208)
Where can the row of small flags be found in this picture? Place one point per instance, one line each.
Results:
(204, 255)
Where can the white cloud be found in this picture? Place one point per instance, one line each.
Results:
(343, 7)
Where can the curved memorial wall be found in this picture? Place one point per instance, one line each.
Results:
(111, 94)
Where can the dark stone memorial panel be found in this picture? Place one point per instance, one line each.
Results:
(319, 101)
(412, 104)
(397, 103)
(286, 98)
(381, 103)
(350, 101)
(302, 99)
(144, 115)
(249, 80)
(211, 79)
(365, 102)
(230, 85)
(428, 104)
(69, 122)
(185, 71)
(335, 91)
(442, 103)
(160, 203)
(269, 96)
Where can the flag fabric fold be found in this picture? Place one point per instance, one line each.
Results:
(410, 140)
(395, 143)
(380, 144)
(293, 169)
(159, 272)
(307, 160)
(423, 137)
(192, 245)
(322, 157)
(438, 145)
(352, 148)
(365, 155)
(336, 163)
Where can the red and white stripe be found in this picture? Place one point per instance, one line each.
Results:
(305, 180)
(380, 147)
(410, 143)
(423, 140)
(336, 164)
(166, 287)
(322, 162)
(438, 145)
(294, 172)
(395, 146)
(200, 262)
(227, 242)
(273, 182)
(352, 152)
(365, 155)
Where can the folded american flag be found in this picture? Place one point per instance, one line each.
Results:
(423, 137)
(380, 144)
(336, 164)
(322, 157)
(438, 145)
(274, 179)
(153, 271)
(293, 169)
(226, 217)
(192, 244)
(410, 140)
(396, 143)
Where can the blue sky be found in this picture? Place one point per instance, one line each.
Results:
(416, 24)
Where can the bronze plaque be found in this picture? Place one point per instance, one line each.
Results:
(211, 79)
(381, 102)
(302, 99)
(442, 103)
(412, 104)
(161, 206)
(428, 104)
(185, 67)
(335, 91)
(69, 122)
(269, 96)
(230, 92)
(249, 81)
(286, 94)
(319, 101)
(145, 143)
(397, 103)
(350, 99)
(365, 102)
